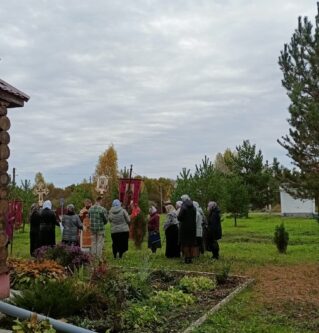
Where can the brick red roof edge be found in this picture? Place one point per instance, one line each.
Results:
(4, 86)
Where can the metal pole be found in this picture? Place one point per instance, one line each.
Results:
(60, 326)
(161, 194)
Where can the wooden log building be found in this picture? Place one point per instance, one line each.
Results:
(10, 97)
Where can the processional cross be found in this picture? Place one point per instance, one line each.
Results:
(40, 190)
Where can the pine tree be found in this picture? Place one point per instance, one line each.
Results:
(299, 62)
(236, 198)
(248, 164)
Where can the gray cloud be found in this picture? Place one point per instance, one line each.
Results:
(165, 81)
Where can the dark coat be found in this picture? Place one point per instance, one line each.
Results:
(34, 230)
(47, 227)
(187, 225)
(172, 245)
(214, 224)
(71, 225)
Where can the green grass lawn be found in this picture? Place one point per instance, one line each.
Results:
(250, 249)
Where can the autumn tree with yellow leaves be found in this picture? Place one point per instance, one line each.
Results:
(107, 165)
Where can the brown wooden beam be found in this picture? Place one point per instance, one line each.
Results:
(13, 100)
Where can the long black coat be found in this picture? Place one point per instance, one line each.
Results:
(187, 225)
(34, 230)
(214, 224)
(47, 227)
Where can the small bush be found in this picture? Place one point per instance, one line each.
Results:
(222, 270)
(65, 255)
(281, 238)
(32, 325)
(56, 298)
(24, 273)
(115, 290)
(138, 225)
(139, 316)
(170, 299)
(191, 284)
(138, 287)
(100, 272)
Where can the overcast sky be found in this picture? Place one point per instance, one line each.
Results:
(165, 81)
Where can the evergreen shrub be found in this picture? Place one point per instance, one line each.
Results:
(281, 238)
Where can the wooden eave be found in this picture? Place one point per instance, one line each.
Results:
(12, 95)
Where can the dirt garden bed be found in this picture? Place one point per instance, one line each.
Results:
(121, 300)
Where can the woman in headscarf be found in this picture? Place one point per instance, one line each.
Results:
(199, 228)
(34, 228)
(214, 232)
(71, 223)
(171, 232)
(154, 238)
(178, 206)
(119, 220)
(48, 222)
(187, 229)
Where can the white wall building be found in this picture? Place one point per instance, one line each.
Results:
(296, 207)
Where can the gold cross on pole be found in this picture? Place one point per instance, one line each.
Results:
(41, 190)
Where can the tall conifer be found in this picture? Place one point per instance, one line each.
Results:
(299, 62)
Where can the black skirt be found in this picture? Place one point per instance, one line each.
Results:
(154, 240)
(120, 242)
(172, 245)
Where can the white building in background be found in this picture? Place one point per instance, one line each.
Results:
(296, 207)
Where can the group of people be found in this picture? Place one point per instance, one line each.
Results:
(188, 231)
(43, 221)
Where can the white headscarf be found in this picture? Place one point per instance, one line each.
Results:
(47, 204)
(178, 204)
(185, 197)
(212, 205)
(196, 204)
(152, 210)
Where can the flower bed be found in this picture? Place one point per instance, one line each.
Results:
(116, 300)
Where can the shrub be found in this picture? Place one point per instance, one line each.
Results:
(171, 298)
(100, 272)
(191, 284)
(139, 316)
(67, 256)
(222, 270)
(138, 286)
(23, 273)
(32, 325)
(138, 226)
(115, 290)
(281, 238)
(56, 298)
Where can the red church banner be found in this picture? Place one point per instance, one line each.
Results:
(129, 190)
(14, 217)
